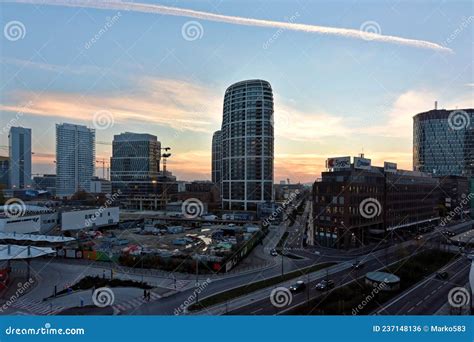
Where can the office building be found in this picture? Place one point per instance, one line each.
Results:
(355, 203)
(135, 172)
(443, 142)
(75, 158)
(20, 157)
(4, 170)
(216, 157)
(100, 186)
(247, 145)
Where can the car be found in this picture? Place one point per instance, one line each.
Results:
(418, 237)
(442, 275)
(273, 252)
(325, 285)
(358, 265)
(298, 286)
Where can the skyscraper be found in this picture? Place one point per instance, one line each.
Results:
(247, 145)
(135, 163)
(216, 157)
(75, 158)
(20, 157)
(443, 142)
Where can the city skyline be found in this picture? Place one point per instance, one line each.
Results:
(359, 96)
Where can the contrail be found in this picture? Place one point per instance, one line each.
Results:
(182, 12)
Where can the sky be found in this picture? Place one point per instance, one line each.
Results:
(347, 76)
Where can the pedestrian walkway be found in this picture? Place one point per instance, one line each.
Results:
(36, 307)
(133, 303)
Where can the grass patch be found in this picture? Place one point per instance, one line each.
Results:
(246, 289)
(347, 300)
(89, 282)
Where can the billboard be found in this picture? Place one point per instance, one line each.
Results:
(362, 163)
(339, 163)
(390, 167)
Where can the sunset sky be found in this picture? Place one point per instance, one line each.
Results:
(336, 93)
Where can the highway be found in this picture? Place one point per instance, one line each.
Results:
(427, 296)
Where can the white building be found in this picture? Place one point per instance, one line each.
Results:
(80, 218)
(75, 158)
(20, 157)
(34, 219)
(100, 186)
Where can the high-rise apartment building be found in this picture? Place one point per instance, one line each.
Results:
(247, 145)
(75, 158)
(20, 157)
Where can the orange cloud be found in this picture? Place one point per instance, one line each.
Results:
(173, 103)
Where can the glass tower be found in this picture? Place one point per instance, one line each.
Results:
(443, 142)
(247, 145)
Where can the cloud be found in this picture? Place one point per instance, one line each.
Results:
(182, 12)
(399, 114)
(297, 125)
(51, 67)
(173, 103)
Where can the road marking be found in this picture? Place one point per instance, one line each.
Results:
(411, 309)
(254, 312)
(417, 304)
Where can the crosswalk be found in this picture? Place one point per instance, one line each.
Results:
(36, 307)
(133, 303)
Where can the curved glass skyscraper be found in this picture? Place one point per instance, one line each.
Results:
(247, 145)
(443, 142)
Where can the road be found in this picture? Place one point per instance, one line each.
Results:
(427, 296)
(340, 278)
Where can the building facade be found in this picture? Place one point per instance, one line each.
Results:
(20, 157)
(357, 203)
(4, 171)
(135, 163)
(100, 186)
(247, 145)
(75, 158)
(443, 142)
(216, 157)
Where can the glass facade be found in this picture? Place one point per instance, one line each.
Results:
(75, 158)
(247, 145)
(216, 157)
(443, 142)
(135, 163)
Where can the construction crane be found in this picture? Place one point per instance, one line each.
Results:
(103, 162)
(165, 187)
